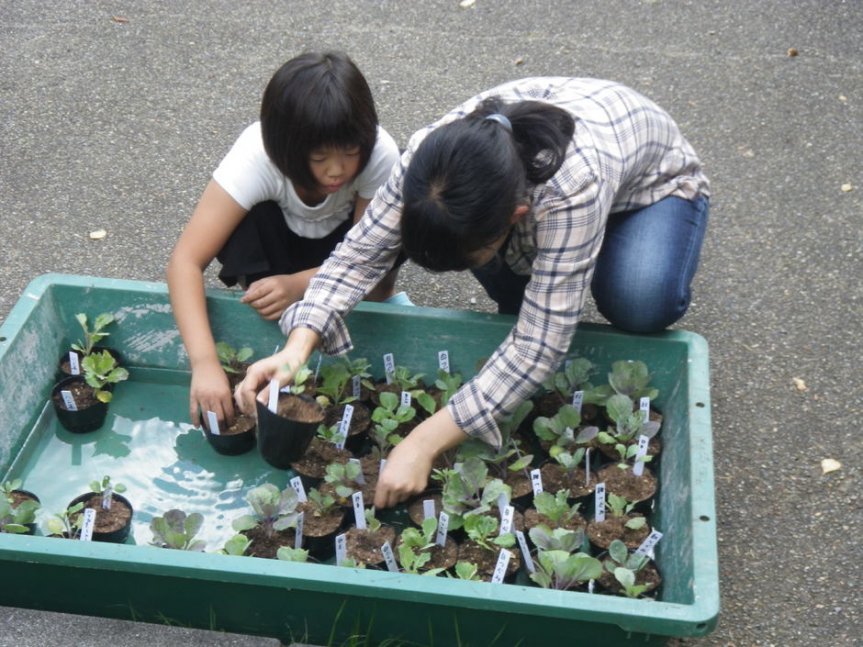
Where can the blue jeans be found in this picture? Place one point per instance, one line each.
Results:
(642, 278)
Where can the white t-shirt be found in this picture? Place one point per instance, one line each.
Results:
(250, 177)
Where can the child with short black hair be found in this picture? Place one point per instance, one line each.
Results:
(283, 197)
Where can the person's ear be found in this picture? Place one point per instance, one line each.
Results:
(519, 213)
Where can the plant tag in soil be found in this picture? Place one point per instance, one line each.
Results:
(389, 367)
(587, 467)
(591, 585)
(341, 548)
(442, 526)
(502, 503)
(406, 399)
(638, 466)
(501, 566)
(506, 520)
(599, 503)
(318, 367)
(647, 546)
(356, 386)
(213, 423)
(536, 481)
(273, 401)
(359, 510)
(644, 405)
(443, 360)
(382, 465)
(298, 537)
(525, 552)
(74, 366)
(345, 426)
(107, 499)
(68, 400)
(428, 509)
(361, 479)
(389, 558)
(297, 484)
(577, 400)
(88, 525)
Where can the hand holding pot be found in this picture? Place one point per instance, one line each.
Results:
(209, 391)
(281, 366)
(409, 463)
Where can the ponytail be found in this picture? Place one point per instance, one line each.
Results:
(466, 178)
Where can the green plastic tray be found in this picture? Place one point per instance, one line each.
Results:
(147, 444)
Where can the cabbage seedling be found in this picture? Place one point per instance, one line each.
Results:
(100, 370)
(94, 336)
(177, 530)
(274, 511)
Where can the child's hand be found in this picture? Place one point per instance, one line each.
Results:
(258, 376)
(271, 295)
(209, 391)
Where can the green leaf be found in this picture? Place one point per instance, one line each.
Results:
(624, 576)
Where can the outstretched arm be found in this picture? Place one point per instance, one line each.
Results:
(214, 219)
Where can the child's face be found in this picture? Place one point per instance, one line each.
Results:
(332, 168)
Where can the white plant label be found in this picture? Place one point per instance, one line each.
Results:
(506, 520)
(213, 423)
(298, 538)
(525, 552)
(88, 525)
(442, 527)
(587, 467)
(644, 405)
(356, 386)
(273, 402)
(345, 425)
(389, 558)
(341, 548)
(74, 366)
(501, 566)
(638, 466)
(359, 510)
(536, 481)
(406, 399)
(68, 400)
(389, 367)
(297, 484)
(383, 465)
(428, 509)
(361, 478)
(107, 498)
(318, 367)
(591, 586)
(443, 360)
(577, 400)
(647, 546)
(599, 503)
(502, 503)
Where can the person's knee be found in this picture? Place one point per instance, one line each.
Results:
(642, 312)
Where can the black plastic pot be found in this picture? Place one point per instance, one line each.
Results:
(232, 444)
(114, 536)
(84, 419)
(282, 440)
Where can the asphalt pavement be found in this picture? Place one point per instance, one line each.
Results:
(114, 114)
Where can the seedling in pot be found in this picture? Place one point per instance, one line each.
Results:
(560, 570)
(446, 384)
(629, 378)
(629, 424)
(563, 539)
(177, 530)
(345, 479)
(617, 506)
(236, 545)
(333, 390)
(556, 507)
(274, 511)
(467, 489)
(301, 376)
(320, 504)
(509, 458)
(391, 409)
(575, 376)
(331, 434)
(415, 548)
(100, 370)
(288, 554)
(482, 530)
(233, 360)
(15, 520)
(407, 381)
(92, 336)
(562, 429)
(105, 488)
(67, 523)
(8, 487)
(467, 571)
(625, 567)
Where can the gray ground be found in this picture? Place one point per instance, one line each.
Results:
(116, 124)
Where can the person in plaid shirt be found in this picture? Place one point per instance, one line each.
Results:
(543, 188)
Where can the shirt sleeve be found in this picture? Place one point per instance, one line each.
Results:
(246, 172)
(569, 233)
(357, 264)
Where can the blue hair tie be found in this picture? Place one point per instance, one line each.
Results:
(499, 118)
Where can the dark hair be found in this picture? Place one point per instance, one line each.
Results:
(467, 178)
(314, 100)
